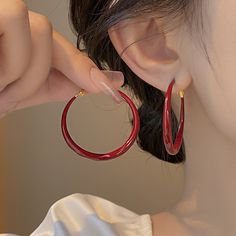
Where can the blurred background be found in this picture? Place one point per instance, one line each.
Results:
(37, 168)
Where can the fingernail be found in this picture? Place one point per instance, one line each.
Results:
(102, 83)
(117, 75)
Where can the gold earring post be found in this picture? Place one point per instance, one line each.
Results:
(81, 93)
(181, 93)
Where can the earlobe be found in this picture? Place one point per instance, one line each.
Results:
(144, 48)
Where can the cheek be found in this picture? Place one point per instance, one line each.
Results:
(218, 103)
(215, 89)
(222, 45)
(215, 86)
(220, 109)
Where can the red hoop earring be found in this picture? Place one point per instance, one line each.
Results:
(171, 148)
(107, 156)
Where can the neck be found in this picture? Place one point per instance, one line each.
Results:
(208, 203)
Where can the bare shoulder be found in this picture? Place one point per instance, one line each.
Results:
(165, 224)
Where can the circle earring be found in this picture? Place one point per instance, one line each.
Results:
(96, 156)
(172, 148)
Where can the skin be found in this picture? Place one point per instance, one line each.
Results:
(39, 65)
(208, 204)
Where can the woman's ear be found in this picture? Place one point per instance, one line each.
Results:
(150, 53)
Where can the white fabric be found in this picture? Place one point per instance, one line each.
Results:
(87, 215)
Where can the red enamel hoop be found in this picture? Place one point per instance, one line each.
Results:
(106, 156)
(171, 148)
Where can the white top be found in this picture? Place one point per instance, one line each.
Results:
(87, 215)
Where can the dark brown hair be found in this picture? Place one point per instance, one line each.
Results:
(91, 21)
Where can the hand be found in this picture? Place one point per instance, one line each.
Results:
(38, 65)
